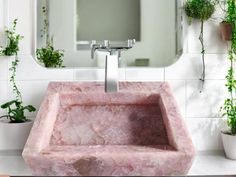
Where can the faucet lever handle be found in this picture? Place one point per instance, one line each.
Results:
(93, 42)
(131, 42)
(106, 43)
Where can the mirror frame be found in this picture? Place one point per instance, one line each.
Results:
(184, 41)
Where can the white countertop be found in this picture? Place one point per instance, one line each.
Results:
(205, 163)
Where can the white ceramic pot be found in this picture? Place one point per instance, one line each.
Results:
(229, 143)
(13, 136)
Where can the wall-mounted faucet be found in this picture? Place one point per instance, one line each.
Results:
(112, 61)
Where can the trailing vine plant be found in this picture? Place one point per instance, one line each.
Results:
(229, 107)
(201, 10)
(50, 57)
(15, 108)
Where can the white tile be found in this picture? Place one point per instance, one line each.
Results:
(190, 67)
(3, 68)
(217, 66)
(208, 102)
(179, 91)
(212, 39)
(145, 74)
(205, 133)
(187, 67)
(95, 74)
(22, 10)
(3, 95)
(32, 93)
(2, 22)
(28, 69)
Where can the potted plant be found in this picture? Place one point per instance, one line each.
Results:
(226, 27)
(201, 10)
(49, 56)
(229, 108)
(226, 30)
(12, 43)
(14, 124)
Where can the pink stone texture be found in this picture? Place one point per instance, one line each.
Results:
(82, 131)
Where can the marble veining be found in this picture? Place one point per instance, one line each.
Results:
(82, 131)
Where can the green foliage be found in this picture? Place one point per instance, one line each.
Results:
(230, 13)
(229, 108)
(13, 40)
(16, 112)
(199, 9)
(15, 108)
(50, 57)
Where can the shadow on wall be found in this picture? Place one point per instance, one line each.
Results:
(207, 134)
(208, 103)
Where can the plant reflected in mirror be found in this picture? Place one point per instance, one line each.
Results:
(48, 56)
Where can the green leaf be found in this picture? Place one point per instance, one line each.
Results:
(30, 108)
(8, 104)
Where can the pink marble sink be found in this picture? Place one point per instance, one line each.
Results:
(82, 131)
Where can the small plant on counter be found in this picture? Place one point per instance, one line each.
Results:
(15, 108)
(229, 108)
(201, 10)
(13, 39)
(49, 56)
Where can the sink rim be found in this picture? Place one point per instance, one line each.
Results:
(176, 130)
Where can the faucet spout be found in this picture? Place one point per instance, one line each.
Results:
(112, 61)
(112, 73)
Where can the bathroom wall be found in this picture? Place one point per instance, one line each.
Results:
(200, 110)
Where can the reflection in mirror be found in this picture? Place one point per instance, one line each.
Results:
(97, 24)
(66, 28)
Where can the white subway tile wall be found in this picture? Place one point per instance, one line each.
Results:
(3, 94)
(200, 110)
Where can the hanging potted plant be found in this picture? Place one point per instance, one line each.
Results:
(201, 10)
(226, 30)
(226, 26)
(14, 126)
(229, 108)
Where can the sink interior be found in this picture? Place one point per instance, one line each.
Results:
(109, 119)
(82, 131)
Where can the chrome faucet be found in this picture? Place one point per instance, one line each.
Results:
(112, 61)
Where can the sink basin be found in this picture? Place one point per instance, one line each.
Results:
(82, 131)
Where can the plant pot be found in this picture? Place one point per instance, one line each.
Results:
(13, 136)
(229, 143)
(226, 30)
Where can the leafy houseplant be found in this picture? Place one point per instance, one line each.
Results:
(201, 10)
(229, 108)
(15, 108)
(13, 40)
(49, 56)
